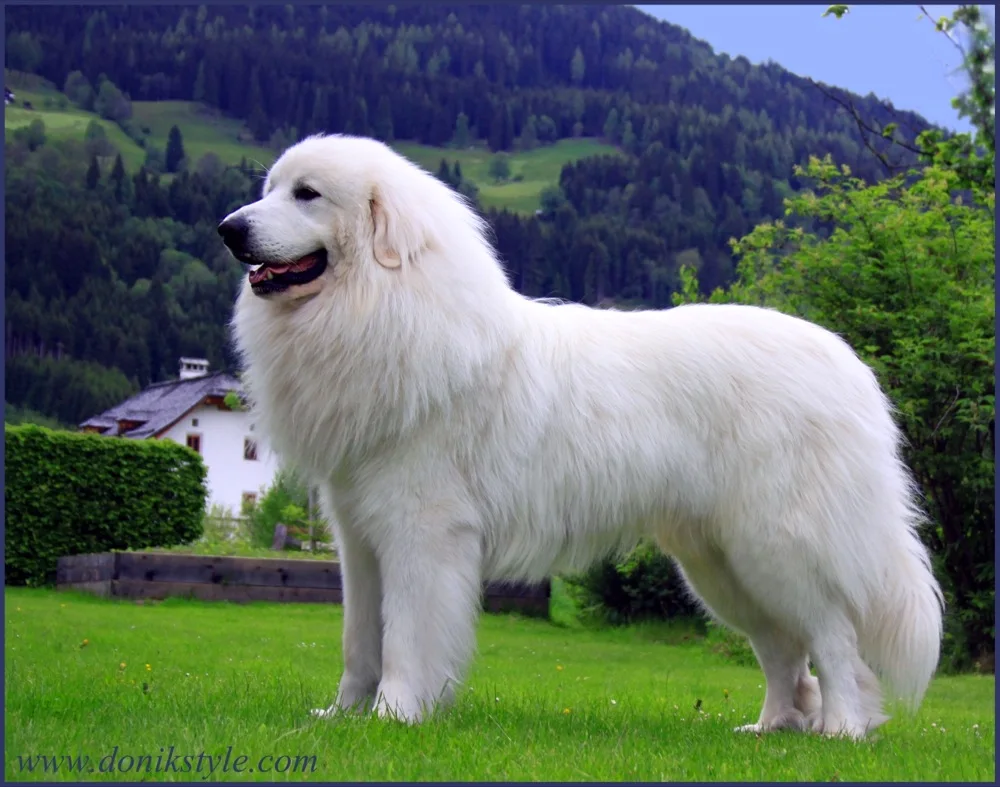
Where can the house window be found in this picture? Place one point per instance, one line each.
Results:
(250, 449)
(249, 499)
(194, 422)
(194, 442)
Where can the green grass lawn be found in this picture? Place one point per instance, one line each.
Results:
(543, 702)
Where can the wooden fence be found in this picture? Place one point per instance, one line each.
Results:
(157, 575)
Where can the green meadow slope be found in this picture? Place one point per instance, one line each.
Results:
(205, 130)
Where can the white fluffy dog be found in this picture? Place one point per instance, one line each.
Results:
(462, 432)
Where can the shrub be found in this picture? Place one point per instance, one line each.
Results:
(286, 502)
(71, 494)
(32, 136)
(645, 584)
(306, 531)
(219, 526)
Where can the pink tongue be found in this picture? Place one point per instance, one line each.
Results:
(303, 264)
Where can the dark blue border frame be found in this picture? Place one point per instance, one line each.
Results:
(329, 2)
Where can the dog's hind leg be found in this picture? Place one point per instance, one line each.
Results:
(362, 623)
(791, 700)
(808, 697)
(852, 696)
(814, 616)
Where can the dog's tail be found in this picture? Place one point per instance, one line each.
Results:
(900, 637)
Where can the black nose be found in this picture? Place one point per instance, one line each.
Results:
(234, 233)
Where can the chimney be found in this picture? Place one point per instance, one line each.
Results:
(193, 367)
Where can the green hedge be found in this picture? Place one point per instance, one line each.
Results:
(69, 494)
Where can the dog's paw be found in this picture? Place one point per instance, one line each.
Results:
(398, 702)
(342, 707)
(791, 719)
(843, 728)
(355, 695)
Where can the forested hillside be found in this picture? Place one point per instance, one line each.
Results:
(112, 275)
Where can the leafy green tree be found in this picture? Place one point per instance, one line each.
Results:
(548, 132)
(628, 137)
(551, 200)
(972, 156)
(577, 67)
(96, 140)
(79, 90)
(175, 150)
(529, 134)
(120, 183)
(209, 165)
(93, 174)
(499, 168)
(280, 140)
(320, 111)
(462, 137)
(111, 103)
(444, 173)
(612, 126)
(198, 91)
(156, 161)
(32, 135)
(383, 120)
(24, 53)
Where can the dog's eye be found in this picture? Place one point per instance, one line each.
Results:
(305, 193)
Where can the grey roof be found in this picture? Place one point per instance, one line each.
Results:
(161, 404)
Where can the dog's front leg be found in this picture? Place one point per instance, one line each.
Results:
(362, 623)
(431, 581)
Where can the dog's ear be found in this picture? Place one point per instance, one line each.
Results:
(390, 238)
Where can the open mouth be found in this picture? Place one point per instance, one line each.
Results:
(274, 277)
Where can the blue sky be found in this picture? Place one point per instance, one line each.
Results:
(880, 49)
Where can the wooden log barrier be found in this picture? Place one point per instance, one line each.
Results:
(158, 575)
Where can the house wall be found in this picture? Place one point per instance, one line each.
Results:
(222, 434)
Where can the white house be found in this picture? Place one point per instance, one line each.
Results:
(192, 410)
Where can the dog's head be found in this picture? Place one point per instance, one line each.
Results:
(331, 201)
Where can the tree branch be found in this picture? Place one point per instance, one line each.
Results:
(866, 129)
(946, 32)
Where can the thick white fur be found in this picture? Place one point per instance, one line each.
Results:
(462, 432)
